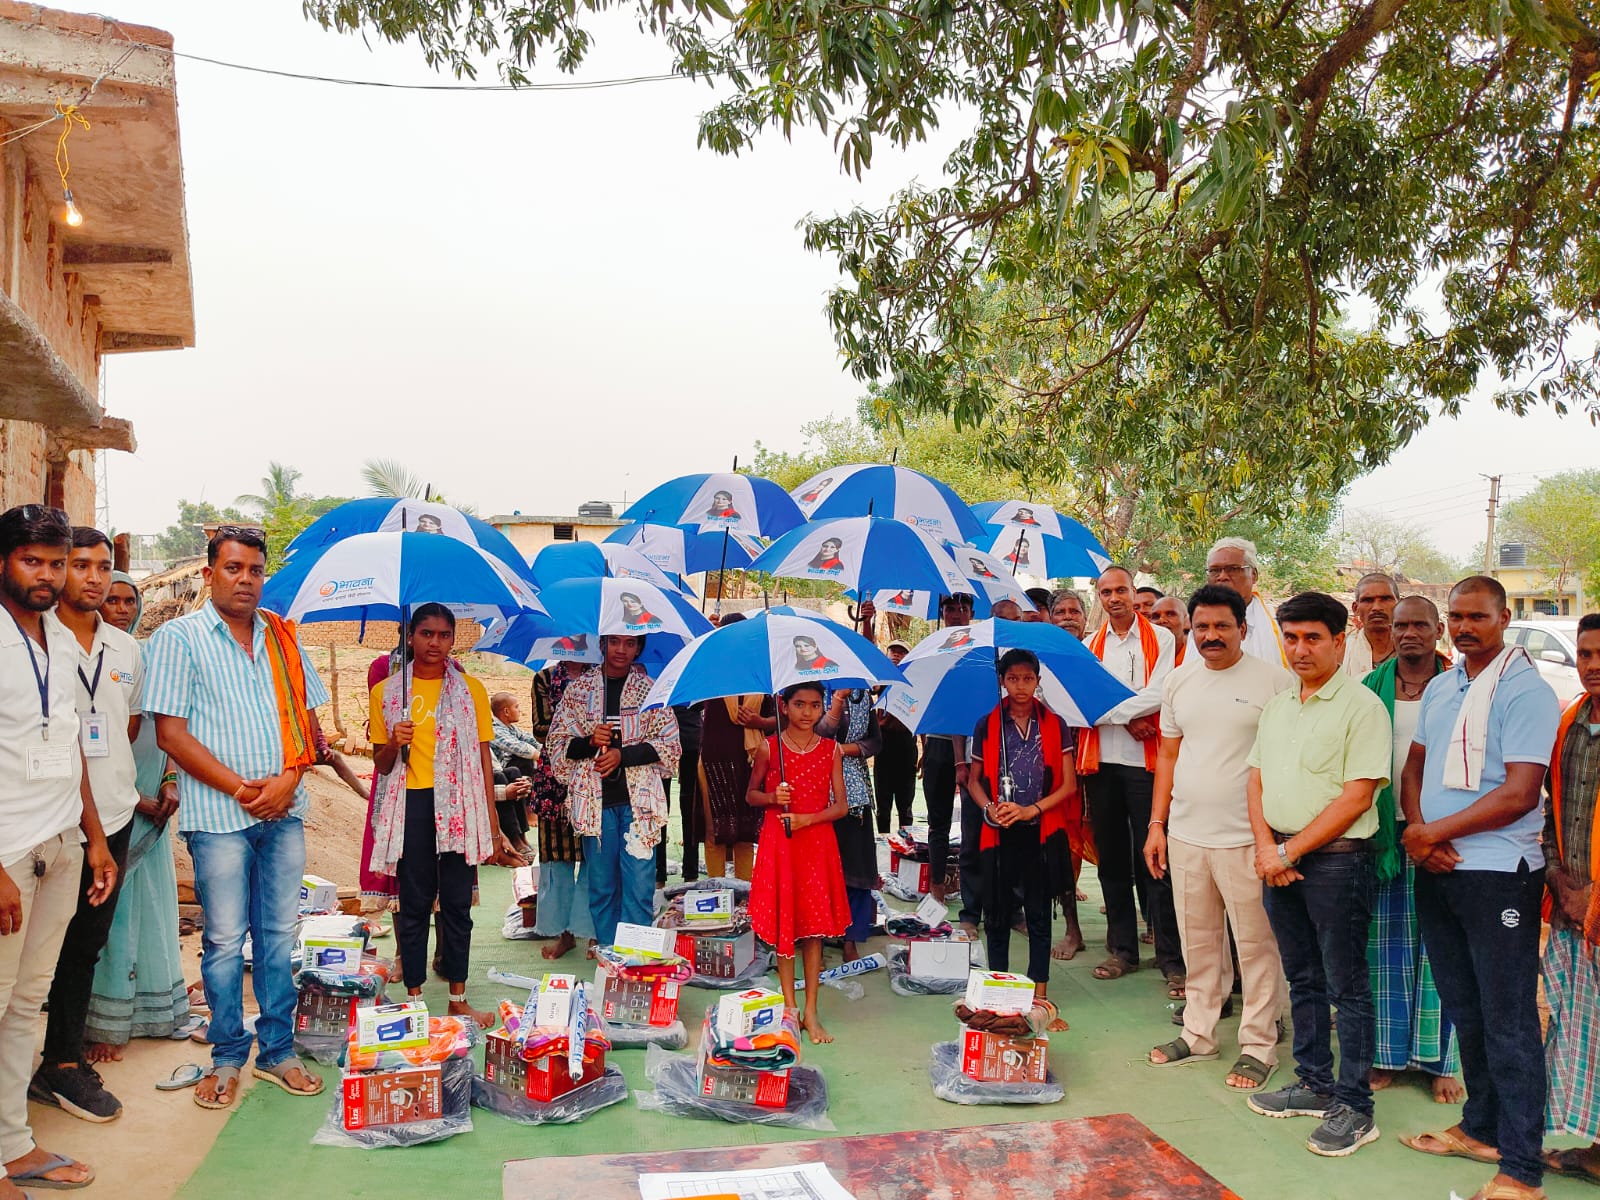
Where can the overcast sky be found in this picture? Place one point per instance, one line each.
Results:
(533, 299)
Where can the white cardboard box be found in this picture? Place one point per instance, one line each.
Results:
(392, 1026)
(912, 876)
(333, 953)
(645, 939)
(713, 907)
(555, 1001)
(932, 913)
(318, 894)
(999, 991)
(749, 1012)
(931, 958)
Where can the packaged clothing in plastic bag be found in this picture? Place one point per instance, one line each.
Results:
(633, 1037)
(611, 1088)
(513, 930)
(450, 1039)
(409, 1106)
(952, 1085)
(679, 1092)
(903, 983)
(367, 979)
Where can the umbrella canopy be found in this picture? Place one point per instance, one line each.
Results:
(717, 501)
(864, 554)
(898, 493)
(381, 576)
(992, 581)
(385, 515)
(595, 560)
(1040, 541)
(766, 654)
(527, 640)
(597, 607)
(684, 550)
(951, 680)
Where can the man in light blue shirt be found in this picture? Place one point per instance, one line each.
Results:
(210, 680)
(1470, 793)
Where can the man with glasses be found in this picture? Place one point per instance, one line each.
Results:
(944, 774)
(1233, 563)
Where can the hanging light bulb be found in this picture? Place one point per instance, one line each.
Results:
(74, 216)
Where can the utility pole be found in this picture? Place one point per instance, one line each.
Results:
(1488, 544)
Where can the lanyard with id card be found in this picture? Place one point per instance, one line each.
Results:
(50, 760)
(93, 728)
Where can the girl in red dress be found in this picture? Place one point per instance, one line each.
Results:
(798, 892)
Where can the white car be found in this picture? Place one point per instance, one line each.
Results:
(1552, 643)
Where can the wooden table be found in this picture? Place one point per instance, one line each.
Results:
(1114, 1157)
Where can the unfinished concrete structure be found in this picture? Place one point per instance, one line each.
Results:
(118, 282)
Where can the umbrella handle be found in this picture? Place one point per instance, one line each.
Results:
(405, 662)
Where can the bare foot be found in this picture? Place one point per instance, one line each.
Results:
(814, 1030)
(563, 945)
(1102, 908)
(97, 1052)
(1057, 1025)
(461, 1008)
(968, 928)
(1067, 949)
(72, 1175)
(851, 951)
(592, 946)
(937, 891)
(211, 1089)
(1380, 1079)
(1447, 1089)
(1082, 896)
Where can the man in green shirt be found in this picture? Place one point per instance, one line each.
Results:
(1322, 752)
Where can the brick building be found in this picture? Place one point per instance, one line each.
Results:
(116, 283)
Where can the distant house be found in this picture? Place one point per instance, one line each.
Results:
(531, 534)
(1535, 590)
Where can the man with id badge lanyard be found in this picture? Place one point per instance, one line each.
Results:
(48, 816)
(110, 688)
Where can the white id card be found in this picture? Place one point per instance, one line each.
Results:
(94, 731)
(50, 760)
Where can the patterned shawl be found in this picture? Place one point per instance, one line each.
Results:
(581, 708)
(460, 807)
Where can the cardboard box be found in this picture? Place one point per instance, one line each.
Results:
(912, 876)
(504, 1068)
(318, 894)
(333, 953)
(632, 1003)
(992, 1058)
(392, 1026)
(549, 1079)
(644, 939)
(718, 956)
(322, 1015)
(555, 1000)
(756, 1010)
(708, 907)
(940, 958)
(393, 1097)
(999, 991)
(764, 1089)
(932, 913)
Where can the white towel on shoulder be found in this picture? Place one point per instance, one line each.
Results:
(1469, 740)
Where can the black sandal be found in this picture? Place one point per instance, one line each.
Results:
(1253, 1069)
(1177, 1051)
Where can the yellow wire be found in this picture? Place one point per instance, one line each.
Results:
(69, 115)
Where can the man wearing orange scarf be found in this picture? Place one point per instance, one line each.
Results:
(1571, 967)
(1117, 759)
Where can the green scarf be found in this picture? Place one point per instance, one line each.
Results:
(1382, 682)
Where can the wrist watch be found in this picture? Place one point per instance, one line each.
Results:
(1283, 854)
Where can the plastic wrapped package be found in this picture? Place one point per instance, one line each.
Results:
(950, 1084)
(455, 1116)
(611, 1088)
(664, 1037)
(368, 983)
(739, 887)
(677, 1093)
(902, 983)
(513, 930)
(749, 977)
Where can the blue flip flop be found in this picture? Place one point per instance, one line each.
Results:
(55, 1162)
(182, 1077)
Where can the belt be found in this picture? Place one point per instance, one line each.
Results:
(1342, 845)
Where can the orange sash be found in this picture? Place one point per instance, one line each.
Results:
(1089, 739)
(1052, 820)
(289, 681)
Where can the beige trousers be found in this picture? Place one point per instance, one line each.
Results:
(27, 965)
(1212, 889)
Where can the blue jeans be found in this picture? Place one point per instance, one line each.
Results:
(621, 887)
(564, 901)
(1322, 923)
(249, 882)
(1481, 929)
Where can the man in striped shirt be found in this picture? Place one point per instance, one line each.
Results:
(210, 681)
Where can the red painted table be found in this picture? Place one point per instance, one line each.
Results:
(1113, 1157)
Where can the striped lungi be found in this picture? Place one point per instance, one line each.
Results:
(1572, 1045)
(1413, 1031)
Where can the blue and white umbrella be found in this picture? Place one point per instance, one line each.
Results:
(951, 680)
(528, 641)
(1040, 541)
(766, 654)
(382, 576)
(636, 607)
(864, 554)
(385, 515)
(721, 500)
(684, 550)
(596, 560)
(898, 493)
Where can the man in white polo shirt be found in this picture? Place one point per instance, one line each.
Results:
(47, 802)
(110, 685)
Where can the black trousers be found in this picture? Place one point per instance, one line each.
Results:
(1481, 931)
(691, 821)
(1119, 810)
(422, 876)
(939, 794)
(80, 951)
(894, 777)
(1001, 914)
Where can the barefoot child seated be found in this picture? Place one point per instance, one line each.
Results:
(798, 893)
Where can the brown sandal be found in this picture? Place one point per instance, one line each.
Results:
(1114, 968)
(1454, 1147)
